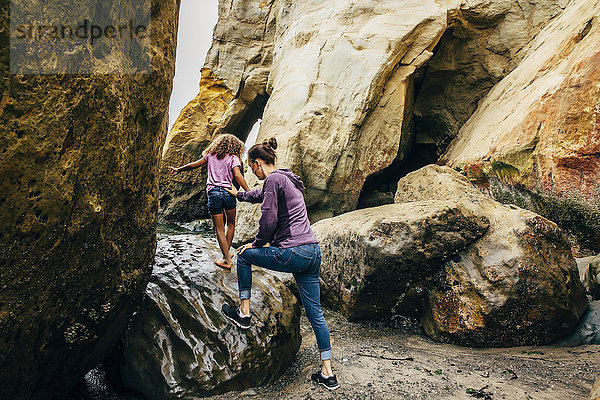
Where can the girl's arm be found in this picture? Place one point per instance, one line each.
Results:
(191, 165)
(237, 174)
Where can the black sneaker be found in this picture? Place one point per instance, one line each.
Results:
(232, 313)
(330, 383)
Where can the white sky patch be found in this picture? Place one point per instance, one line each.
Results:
(197, 19)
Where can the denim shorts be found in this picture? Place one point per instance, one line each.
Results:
(219, 199)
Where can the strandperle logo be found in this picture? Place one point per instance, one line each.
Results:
(84, 37)
(84, 30)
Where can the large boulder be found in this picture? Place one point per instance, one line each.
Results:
(534, 140)
(180, 345)
(79, 158)
(516, 285)
(375, 258)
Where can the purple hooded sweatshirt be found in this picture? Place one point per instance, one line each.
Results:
(284, 221)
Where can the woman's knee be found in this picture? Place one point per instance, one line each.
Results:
(243, 258)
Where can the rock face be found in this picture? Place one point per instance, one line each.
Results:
(78, 182)
(337, 82)
(483, 43)
(374, 258)
(587, 330)
(180, 345)
(516, 285)
(546, 156)
(231, 98)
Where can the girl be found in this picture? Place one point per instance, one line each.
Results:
(293, 248)
(223, 158)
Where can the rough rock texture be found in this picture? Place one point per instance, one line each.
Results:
(231, 98)
(341, 83)
(516, 285)
(373, 258)
(587, 330)
(180, 345)
(589, 274)
(78, 198)
(482, 45)
(548, 150)
(595, 392)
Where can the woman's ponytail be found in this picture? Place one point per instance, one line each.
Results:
(264, 151)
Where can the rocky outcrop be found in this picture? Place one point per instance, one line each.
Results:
(341, 83)
(534, 139)
(376, 260)
(587, 330)
(78, 181)
(231, 98)
(483, 43)
(516, 285)
(179, 345)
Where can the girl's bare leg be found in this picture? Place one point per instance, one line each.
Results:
(230, 215)
(219, 224)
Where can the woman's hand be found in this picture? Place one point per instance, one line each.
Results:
(233, 191)
(174, 169)
(244, 247)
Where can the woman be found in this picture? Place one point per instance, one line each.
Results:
(293, 248)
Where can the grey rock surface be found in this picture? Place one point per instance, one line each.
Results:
(180, 345)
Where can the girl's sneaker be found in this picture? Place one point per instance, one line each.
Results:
(330, 383)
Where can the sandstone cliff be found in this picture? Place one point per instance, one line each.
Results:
(78, 177)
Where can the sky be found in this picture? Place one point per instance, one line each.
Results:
(197, 19)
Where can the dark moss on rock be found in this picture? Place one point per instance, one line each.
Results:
(78, 176)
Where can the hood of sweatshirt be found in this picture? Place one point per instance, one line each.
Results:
(293, 177)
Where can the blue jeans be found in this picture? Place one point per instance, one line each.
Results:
(219, 199)
(304, 262)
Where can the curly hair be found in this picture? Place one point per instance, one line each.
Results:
(224, 144)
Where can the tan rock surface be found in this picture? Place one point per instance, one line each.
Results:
(516, 285)
(537, 129)
(376, 260)
(78, 199)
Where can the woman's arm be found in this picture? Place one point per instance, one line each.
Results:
(237, 174)
(269, 209)
(253, 196)
(191, 165)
